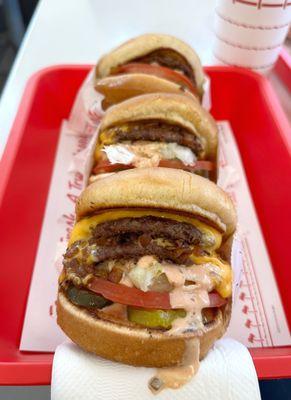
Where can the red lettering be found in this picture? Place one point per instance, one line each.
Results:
(77, 183)
(70, 219)
(68, 234)
(82, 143)
(72, 197)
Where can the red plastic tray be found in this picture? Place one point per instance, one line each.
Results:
(264, 139)
(283, 68)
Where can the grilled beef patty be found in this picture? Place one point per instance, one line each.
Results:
(156, 131)
(154, 226)
(133, 238)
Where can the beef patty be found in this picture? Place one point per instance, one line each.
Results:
(133, 238)
(154, 226)
(156, 131)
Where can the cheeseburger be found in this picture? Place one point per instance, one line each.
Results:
(144, 272)
(159, 55)
(165, 130)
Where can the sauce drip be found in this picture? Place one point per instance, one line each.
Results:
(193, 302)
(175, 377)
(192, 297)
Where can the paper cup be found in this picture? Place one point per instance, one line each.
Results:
(250, 33)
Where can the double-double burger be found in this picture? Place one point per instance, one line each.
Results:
(144, 272)
(150, 63)
(161, 129)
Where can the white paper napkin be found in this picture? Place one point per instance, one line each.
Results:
(227, 373)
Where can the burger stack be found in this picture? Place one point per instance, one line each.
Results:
(147, 279)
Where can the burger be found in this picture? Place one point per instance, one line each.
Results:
(117, 88)
(161, 129)
(163, 56)
(145, 271)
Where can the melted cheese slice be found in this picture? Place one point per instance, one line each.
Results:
(82, 229)
(105, 139)
(223, 283)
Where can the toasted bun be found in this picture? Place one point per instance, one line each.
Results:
(145, 44)
(171, 108)
(163, 188)
(134, 346)
(118, 88)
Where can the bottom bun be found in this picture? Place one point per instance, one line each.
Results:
(134, 346)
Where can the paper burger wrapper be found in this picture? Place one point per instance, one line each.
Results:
(87, 111)
(250, 34)
(206, 98)
(254, 308)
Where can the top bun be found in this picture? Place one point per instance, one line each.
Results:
(145, 44)
(178, 109)
(162, 188)
(117, 88)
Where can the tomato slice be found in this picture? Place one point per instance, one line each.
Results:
(157, 70)
(177, 164)
(216, 300)
(106, 166)
(131, 296)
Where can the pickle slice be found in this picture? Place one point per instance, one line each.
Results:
(154, 318)
(84, 298)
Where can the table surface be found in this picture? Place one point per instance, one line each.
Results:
(74, 31)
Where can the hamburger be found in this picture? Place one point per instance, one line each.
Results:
(118, 88)
(161, 129)
(145, 272)
(164, 56)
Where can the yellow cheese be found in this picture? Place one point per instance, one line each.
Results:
(82, 229)
(105, 139)
(62, 276)
(223, 284)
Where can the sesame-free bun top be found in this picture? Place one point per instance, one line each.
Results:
(160, 188)
(118, 88)
(145, 44)
(177, 109)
